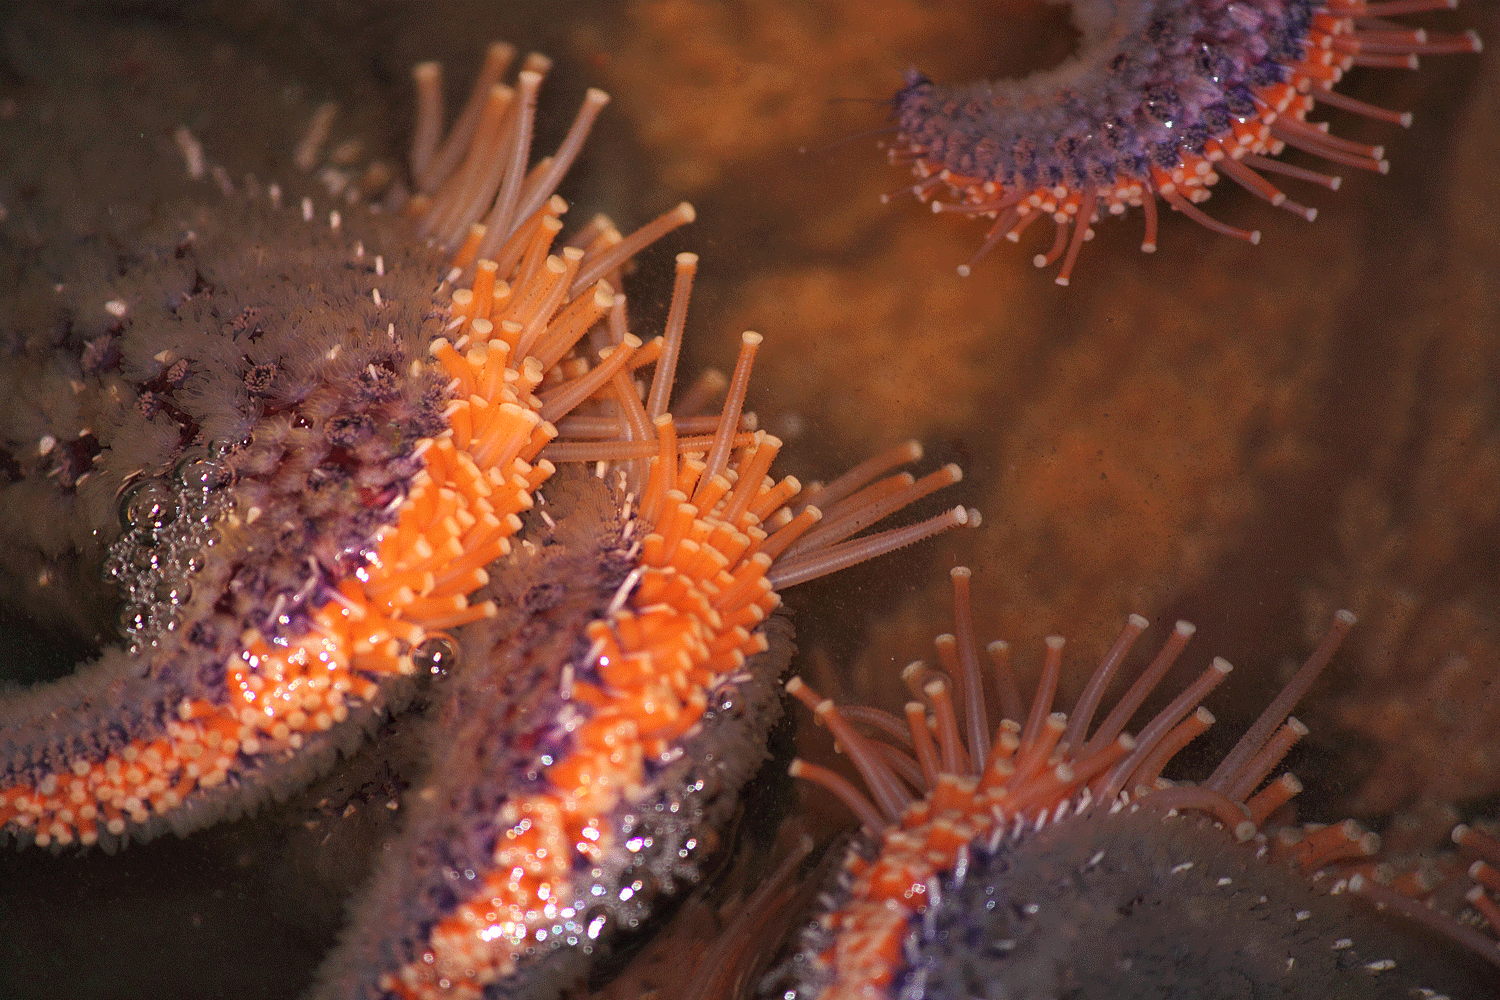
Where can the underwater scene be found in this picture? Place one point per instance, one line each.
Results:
(270, 404)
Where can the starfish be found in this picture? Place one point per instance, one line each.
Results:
(1048, 856)
(1159, 101)
(347, 460)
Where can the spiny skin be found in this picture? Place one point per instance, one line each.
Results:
(495, 725)
(353, 465)
(100, 205)
(1182, 73)
(1050, 859)
(1162, 96)
(213, 276)
(1140, 904)
(312, 417)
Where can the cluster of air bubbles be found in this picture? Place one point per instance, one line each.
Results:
(167, 529)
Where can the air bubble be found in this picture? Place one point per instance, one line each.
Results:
(598, 922)
(706, 782)
(198, 470)
(436, 656)
(172, 592)
(148, 507)
(641, 884)
(133, 619)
